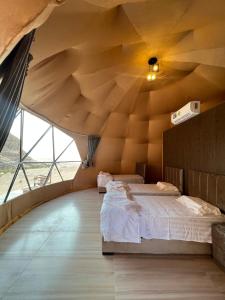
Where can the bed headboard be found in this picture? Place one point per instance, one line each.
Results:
(175, 176)
(210, 187)
(141, 169)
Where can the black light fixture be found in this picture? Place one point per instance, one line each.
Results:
(153, 68)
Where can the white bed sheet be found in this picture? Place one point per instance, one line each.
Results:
(160, 217)
(149, 189)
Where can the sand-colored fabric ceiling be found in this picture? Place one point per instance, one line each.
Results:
(89, 72)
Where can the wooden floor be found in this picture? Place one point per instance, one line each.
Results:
(54, 252)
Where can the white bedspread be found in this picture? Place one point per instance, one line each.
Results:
(149, 189)
(120, 219)
(160, 217)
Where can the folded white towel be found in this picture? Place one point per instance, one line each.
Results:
(199, 206)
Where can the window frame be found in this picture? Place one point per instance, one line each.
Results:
(21, 162)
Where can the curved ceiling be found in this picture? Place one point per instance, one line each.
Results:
(90, 63)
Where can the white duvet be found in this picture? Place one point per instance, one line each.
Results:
(158, 217)
(120, 219)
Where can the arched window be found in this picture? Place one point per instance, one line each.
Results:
(35, 154)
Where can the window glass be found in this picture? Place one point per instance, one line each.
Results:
(33, 129)
(70, 154)
(37, 156)
(9, 158)
(43, 151)
(20, 186)
(11, 150)
(37, 173)
(54, 176)
(7, 171)
(68, 170)
(61, 141)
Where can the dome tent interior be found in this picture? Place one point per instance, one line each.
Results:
(88, 73)
(88, 77)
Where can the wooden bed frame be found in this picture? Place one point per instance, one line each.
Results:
(209, 187)
(155, 246)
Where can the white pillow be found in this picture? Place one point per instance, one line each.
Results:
(102, 173)
(103, 178)
(199, 206)
(118, 195)
(117, 186)
(166, 186)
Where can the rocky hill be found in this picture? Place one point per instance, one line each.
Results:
(10, 153)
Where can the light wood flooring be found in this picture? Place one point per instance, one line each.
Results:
(54, 252)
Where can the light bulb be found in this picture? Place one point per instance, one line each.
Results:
(155, 67)
(151, 77)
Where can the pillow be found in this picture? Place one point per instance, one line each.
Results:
(103, 178)
(166, 186)
(118, 195)
(199, 206)
(117, 186)
(104, 173)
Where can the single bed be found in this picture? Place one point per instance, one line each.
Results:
(164, 226)
(138, 178)
(173, 185)
(149, 190)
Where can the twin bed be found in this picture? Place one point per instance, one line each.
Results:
(138, 178)
(173, 176)
(155, 222)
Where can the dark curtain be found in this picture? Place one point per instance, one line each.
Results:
(93, 141)
(12, 75)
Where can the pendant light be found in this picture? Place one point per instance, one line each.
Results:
(153, 68)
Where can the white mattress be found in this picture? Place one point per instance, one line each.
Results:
(149, 189)
(160, 217)
(102, 179)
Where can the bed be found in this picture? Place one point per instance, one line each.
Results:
(163, 226)
(150, 190)
(172, 175)
(172, 185)
(138, 178)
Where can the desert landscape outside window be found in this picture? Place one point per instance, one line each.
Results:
(35, 154)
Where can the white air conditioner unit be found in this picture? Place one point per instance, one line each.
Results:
(188, 111)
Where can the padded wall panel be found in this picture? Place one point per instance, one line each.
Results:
(198, 144)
